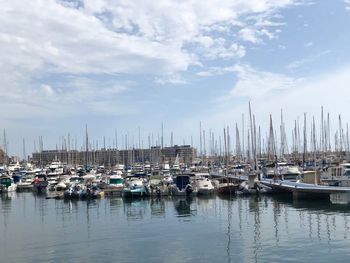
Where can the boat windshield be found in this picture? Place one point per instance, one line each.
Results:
(116, 181)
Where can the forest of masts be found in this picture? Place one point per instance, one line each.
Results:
(309, 141)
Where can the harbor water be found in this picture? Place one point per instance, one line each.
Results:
(238, 229)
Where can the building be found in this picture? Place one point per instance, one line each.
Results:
(110, 157)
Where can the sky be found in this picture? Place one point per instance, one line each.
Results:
(125, 66)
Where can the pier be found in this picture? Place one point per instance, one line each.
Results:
(337, 195)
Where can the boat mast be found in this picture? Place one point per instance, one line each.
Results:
(238, 145)
(243, 147)
(305, 141)
(24, 150)
(5, 146)
(271, 143)
(225, 149)
(340, 136)
(86, 146)
(200, 139)
(314, 146)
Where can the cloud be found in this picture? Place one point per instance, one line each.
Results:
(301, 62)
(69, 97)
(347, 4)
(256, 84)
(256, 36)
(248, 34)
(47, 90)
(269, 92)
(309, 44)
(69, 59)
(103, 36)
(171, 79)
(216, 71)
(45, 41)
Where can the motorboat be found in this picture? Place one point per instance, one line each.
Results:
(157, 187)
(226, 186)
(91, 192)
(205, 186)
(7, 184)
(134, 186)
(25, 183)
(182, 186)
(74, 192)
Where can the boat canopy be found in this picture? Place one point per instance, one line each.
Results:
(182, 181)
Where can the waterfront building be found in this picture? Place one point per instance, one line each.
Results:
(111, 157)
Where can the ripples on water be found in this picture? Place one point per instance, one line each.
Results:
(254, 229)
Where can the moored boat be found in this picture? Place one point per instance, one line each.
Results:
(182, 186)
(226, 186)
(134, 187)
(7, 184)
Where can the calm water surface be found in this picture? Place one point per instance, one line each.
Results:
(254, 229)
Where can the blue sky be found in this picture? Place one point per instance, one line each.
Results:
(129, 64)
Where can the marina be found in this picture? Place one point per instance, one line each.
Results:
(174, 131)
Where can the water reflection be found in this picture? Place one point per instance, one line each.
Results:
(158, 207)
(240, 229)
(228, 233)
(134, 209)
(115, 203)
(183, 206)
(6, 199)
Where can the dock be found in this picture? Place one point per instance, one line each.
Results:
(336, 194)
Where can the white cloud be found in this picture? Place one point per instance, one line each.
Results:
(270, 92)
(107, 36)
(248, 34)
(309, 44)
(301, 62)
(347, 4)
(216, 71)
(43, 41)
(256, 84)
(174, 79)
(72, 97)
(47, 90)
